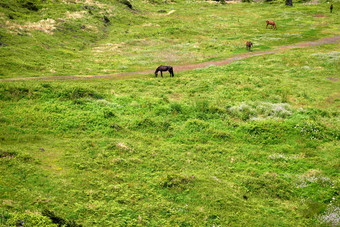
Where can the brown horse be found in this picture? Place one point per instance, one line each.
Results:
(164, 68)
(272, 23)
(249, 45)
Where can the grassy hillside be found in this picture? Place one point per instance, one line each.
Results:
(72, 37)
(253, 143)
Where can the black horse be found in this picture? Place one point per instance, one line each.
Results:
(163, 68)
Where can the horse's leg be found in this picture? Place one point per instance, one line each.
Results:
(162, 73)
(171, 71)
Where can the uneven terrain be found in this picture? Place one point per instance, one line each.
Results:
(252, 142)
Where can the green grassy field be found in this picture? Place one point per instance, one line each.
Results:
(254, 143)
(66, 39)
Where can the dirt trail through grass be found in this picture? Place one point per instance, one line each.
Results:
(179, 68)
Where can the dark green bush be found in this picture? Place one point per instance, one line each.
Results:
(269, 185)
(176, 180)
(78, 92)
(9, 92)
(266, 132)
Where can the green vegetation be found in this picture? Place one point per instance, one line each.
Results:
(65, 38)
(255, 142)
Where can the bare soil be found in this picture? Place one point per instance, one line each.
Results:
(332, 79)
(319, 15)
(179, 68)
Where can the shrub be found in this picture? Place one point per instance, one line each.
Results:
(176, 180)
(10, 92)
(195, 125)
(30, 5)
(58, 220)
(266, 132)
(108, 112)
(176, 107)
(29, 219)
(270, 185)
(78, 92)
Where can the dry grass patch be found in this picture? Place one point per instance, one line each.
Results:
(150, 25)
(332, 98)
(85, 2)
(47, 26)
(75, 15)
(176, 96)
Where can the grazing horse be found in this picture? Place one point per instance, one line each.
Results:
(163, 68)
(331, 8)
(272, 23)
(249, 45)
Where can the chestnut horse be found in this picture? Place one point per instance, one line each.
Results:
(272, 23)
(165, 68)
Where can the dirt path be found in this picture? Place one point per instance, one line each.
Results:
(179, 68)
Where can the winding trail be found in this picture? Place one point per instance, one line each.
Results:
(179, 68)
